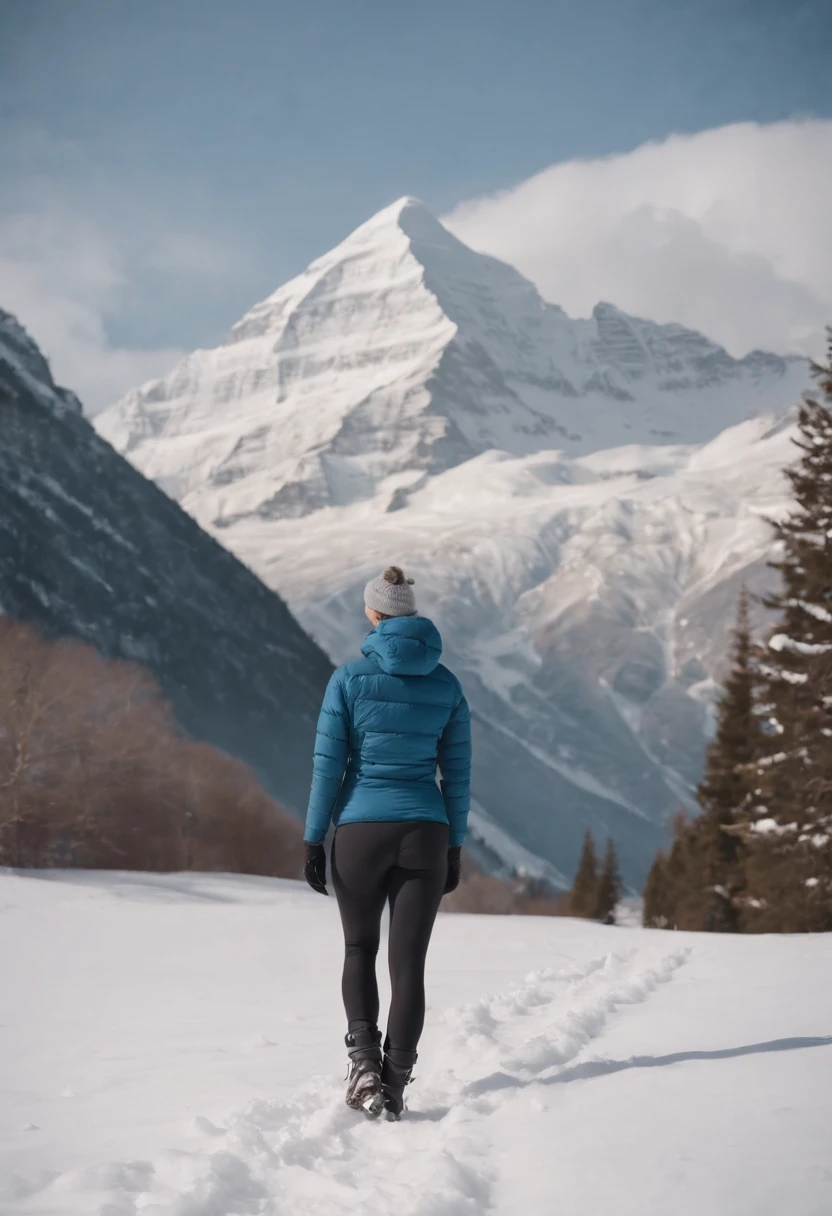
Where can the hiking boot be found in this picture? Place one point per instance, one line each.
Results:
(364, 1077)
(396, 1074)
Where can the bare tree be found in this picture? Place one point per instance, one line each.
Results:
(94, 772)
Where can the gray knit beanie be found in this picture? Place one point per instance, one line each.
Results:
(391, 593)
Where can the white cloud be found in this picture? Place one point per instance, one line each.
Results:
(728, 231)
(62, 279)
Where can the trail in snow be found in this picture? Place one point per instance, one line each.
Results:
(311, 1154)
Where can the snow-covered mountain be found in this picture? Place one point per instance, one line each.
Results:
(579, 500)
(403, 353)
(91, 549)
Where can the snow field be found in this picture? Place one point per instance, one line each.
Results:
(173, 1046)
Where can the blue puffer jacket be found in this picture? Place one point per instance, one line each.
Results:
(387, 721)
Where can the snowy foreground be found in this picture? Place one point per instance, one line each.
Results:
(173, 1045)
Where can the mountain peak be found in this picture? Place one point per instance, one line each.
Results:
(22, 355)
(408, 202)
(19, 348)
(402, 353)
(408, 216)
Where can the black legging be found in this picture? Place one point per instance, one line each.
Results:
(407, 865)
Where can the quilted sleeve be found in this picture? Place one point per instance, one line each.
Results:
(455, 767)
(332, 749)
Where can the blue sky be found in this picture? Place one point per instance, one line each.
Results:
(216, 148)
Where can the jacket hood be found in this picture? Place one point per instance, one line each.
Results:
(404, 646)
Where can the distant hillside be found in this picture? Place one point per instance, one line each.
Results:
(90, 548)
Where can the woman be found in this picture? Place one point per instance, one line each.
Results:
(387, 721)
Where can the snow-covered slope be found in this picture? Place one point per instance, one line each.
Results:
(408, 399)
(174, 1044)
(91, 549)
(585, 603)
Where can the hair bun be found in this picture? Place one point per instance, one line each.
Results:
(396, 576)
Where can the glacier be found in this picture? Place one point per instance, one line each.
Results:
(579, 501)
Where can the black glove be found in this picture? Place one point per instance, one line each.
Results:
(454, 869)
(314, 868)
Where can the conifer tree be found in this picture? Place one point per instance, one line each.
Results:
(789, 868)
(655, 911)
(609, 887)
(583, 898)
(725, 792)
(685, 876)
